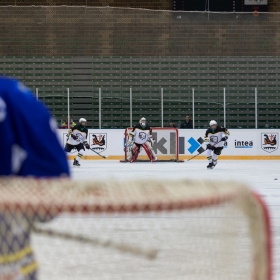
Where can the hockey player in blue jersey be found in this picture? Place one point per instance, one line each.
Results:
(28, 147)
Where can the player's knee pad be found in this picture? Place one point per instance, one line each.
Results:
(215, 157)
(208, 153)
(218, 150)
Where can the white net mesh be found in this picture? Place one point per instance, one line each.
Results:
(133, 230)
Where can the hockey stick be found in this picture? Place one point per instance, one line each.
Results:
(98, 153)
(122, 247)
(203, 151)
(195, 156)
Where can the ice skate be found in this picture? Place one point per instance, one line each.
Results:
(76, 163)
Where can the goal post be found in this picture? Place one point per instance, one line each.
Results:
(166, 145)
(153, 229)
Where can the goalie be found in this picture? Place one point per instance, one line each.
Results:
(27, 150)
(140, 137)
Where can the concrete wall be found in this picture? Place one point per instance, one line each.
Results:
(80, 31)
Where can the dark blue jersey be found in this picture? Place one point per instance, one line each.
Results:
(28, 147)
(28, 140)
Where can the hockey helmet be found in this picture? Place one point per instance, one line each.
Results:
(213, 123)
(143, 122)
(81, 120)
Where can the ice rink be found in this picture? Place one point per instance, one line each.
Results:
(263, 176)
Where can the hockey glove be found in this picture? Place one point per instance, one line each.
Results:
(224, 138)
(74, 136)
(209, 147)
(86, 145)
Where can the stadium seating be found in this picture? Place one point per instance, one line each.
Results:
(147, 75)
(147, 4)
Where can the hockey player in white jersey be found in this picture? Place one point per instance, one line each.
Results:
(140, 136)
(214, 137)
(77, 138)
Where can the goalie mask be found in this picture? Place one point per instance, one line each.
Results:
(143, 122)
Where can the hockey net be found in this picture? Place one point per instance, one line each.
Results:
(135, 230)
(166, 145)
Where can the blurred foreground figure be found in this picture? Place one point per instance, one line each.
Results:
(28, 147)
(28, 142)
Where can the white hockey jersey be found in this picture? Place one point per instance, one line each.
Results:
(81, 134)
(214, 136)
(141, 135)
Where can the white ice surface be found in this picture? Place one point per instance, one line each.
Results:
(260, 175)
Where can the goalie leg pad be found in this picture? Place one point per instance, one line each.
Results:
(135, 150)
(129, 151)
(129, 154)
(218, 150)
(149, 151)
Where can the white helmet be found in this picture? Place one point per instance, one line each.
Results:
(82, 120)
(213, 123)
(143, 122)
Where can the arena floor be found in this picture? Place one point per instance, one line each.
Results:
(263, 176)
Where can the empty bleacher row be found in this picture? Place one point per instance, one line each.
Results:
(52, 76)
(147, 4)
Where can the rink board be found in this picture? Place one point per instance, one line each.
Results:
(256, 144)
